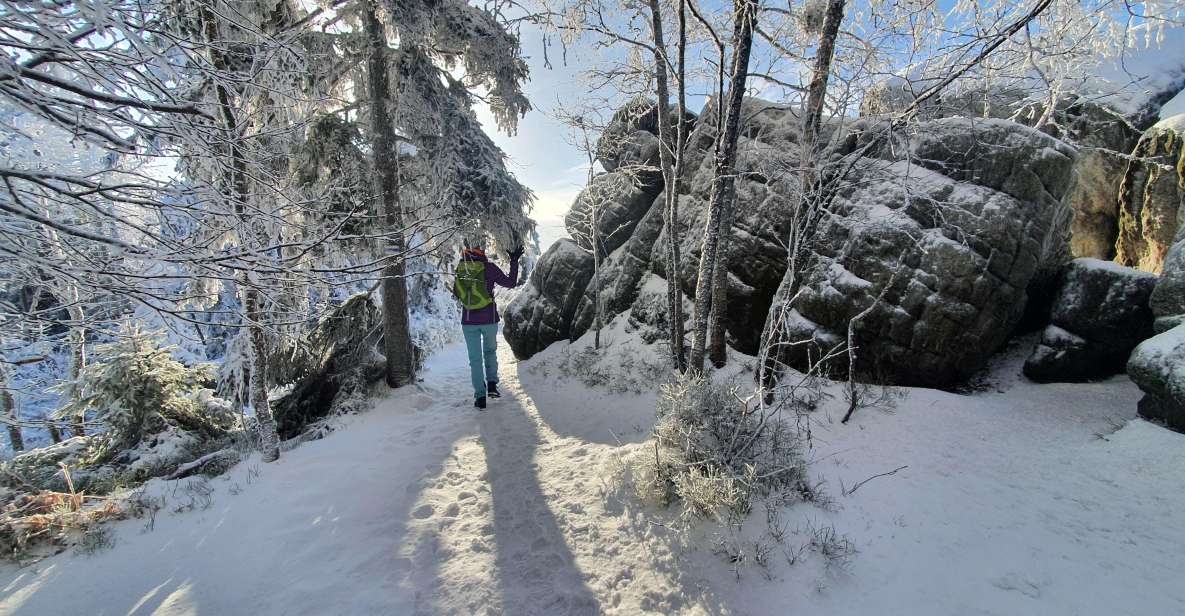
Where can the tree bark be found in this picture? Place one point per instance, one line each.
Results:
(816, 93)
(723, 179)
(8, 410)
(717, 347)
(810, 206)
(78, 362)
(240, 193)
(396, 323)
(671, 161)
(269, 439)
(72, 300)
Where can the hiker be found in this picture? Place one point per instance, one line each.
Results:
(474, 287)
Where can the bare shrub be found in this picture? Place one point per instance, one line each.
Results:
(835, 548)
(197, 494)
(95, 539)
(717, 451)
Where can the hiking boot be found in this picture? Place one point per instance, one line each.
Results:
(492, 389)
(480, 402)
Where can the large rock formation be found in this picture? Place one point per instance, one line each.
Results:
(957, 215)
(1106, 138)
(755, 255)
(956, 228)
(1152, 196)
(614, 202)
(543, 312)
(1100, 313)
(1158, 364)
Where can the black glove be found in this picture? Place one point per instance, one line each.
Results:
(515, 254)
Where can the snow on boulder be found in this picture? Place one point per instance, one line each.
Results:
(956, 242)
(1158, 367)
(956, 233)
(616, 284)
(966, 204)
(1100, 313)
(543, 312)
(1152, 196)
(630, 140)
(615, 201)
(1168, 300)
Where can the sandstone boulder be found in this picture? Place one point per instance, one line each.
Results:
(1158, 367)
(631, 138)
(935, 251)
(955, 219)
(1106, 137)
(543, 312)
(615, 202)
(1152, 196)
(1100, 313)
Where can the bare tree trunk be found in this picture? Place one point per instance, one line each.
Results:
(8, 410)
(269, 439)
(676, 187)
(671, 160)
(810, 200)
(71, 299)
(240, 193)
(401, 368)
(598, 319)
(78, 342)
(55, 434)
(816, 93)
(717, 349)
(723, 179)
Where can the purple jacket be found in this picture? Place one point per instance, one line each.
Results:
(494, 276)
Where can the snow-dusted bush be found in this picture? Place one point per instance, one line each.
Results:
(717, 451)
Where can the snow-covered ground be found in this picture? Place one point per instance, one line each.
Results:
(1024, 499)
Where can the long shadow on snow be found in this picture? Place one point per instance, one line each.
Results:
(537, 573)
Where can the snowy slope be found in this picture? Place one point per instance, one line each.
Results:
(1026, 500)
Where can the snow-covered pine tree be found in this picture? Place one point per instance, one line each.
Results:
(420, 65)
(252, 64)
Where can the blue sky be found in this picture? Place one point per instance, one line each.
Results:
(543, 159)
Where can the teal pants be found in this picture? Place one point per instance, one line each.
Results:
(482, 342)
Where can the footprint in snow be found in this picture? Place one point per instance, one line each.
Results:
(1019, 583)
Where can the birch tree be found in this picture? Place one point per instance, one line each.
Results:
(671, 161)
(723, 180)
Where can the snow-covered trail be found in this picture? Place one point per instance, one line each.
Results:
(423, 505)
(516, 523)
(1029, 499)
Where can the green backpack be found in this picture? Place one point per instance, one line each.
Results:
(470, 287)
